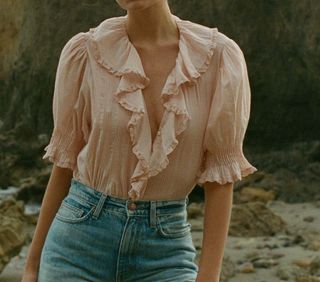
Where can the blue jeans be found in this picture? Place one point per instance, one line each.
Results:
(99, 237)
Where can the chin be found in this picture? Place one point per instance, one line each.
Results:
(135, 5)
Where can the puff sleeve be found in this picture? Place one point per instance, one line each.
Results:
(68, 105)
(228, 119)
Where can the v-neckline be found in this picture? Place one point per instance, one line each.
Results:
(132, 47)
(115, 53)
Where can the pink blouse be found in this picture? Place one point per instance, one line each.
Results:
(101, 126)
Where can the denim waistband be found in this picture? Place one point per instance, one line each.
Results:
(93, 196)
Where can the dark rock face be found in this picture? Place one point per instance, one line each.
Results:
(34, 34)
(279, 39)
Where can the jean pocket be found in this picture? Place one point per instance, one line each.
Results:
(74, 210)
(173, 225)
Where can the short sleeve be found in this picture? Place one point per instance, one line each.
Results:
(228, 119)
(68, 105)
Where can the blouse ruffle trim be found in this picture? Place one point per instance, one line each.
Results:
(224, 167)
(58, 157)
(113, 50)
(57, 151)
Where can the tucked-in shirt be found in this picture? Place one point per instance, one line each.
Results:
(101, 126)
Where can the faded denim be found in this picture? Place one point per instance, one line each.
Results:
(98, 237)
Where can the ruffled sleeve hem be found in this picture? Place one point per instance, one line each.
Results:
(59, 157)
(62, 150)
(224, 166)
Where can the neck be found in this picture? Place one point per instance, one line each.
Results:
(152, 26)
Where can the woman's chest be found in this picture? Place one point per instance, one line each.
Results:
(157, 65)
(117, 100)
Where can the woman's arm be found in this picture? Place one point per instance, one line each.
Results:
(218, 207)
(57, 189)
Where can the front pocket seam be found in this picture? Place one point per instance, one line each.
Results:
(75, 220)
(180, 233)
(75, 209)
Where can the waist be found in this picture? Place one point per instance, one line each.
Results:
(88, 194)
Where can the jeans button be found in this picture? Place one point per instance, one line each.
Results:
(132, 206)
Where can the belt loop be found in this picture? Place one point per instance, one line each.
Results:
(99, 206)
(153, 215)
(74, 184)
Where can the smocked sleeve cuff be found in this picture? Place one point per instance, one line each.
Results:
(224, 166)
(59, 151)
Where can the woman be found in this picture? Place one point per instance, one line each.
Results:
(145, 106)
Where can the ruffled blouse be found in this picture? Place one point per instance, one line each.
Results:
(101, 126)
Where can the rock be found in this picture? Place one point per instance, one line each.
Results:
(12, 230)
(33, 187)
(249, 194)
(315, 266)
(9, 192)
(264, 262)
(195, 209)
(314, 245)
(316, 203)
(311, 267)
(299, 239)
(251, 179)
(284, 272)
(277, 255)
(246, 267)
(260, 260)
(196, 224)
(308, 279)
(228, 269)
(32, 211)
(255, 219)
(244, 244)
(293, 172)
(308, 219)
(271, 245)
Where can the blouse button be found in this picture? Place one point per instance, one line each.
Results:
(159, 132)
